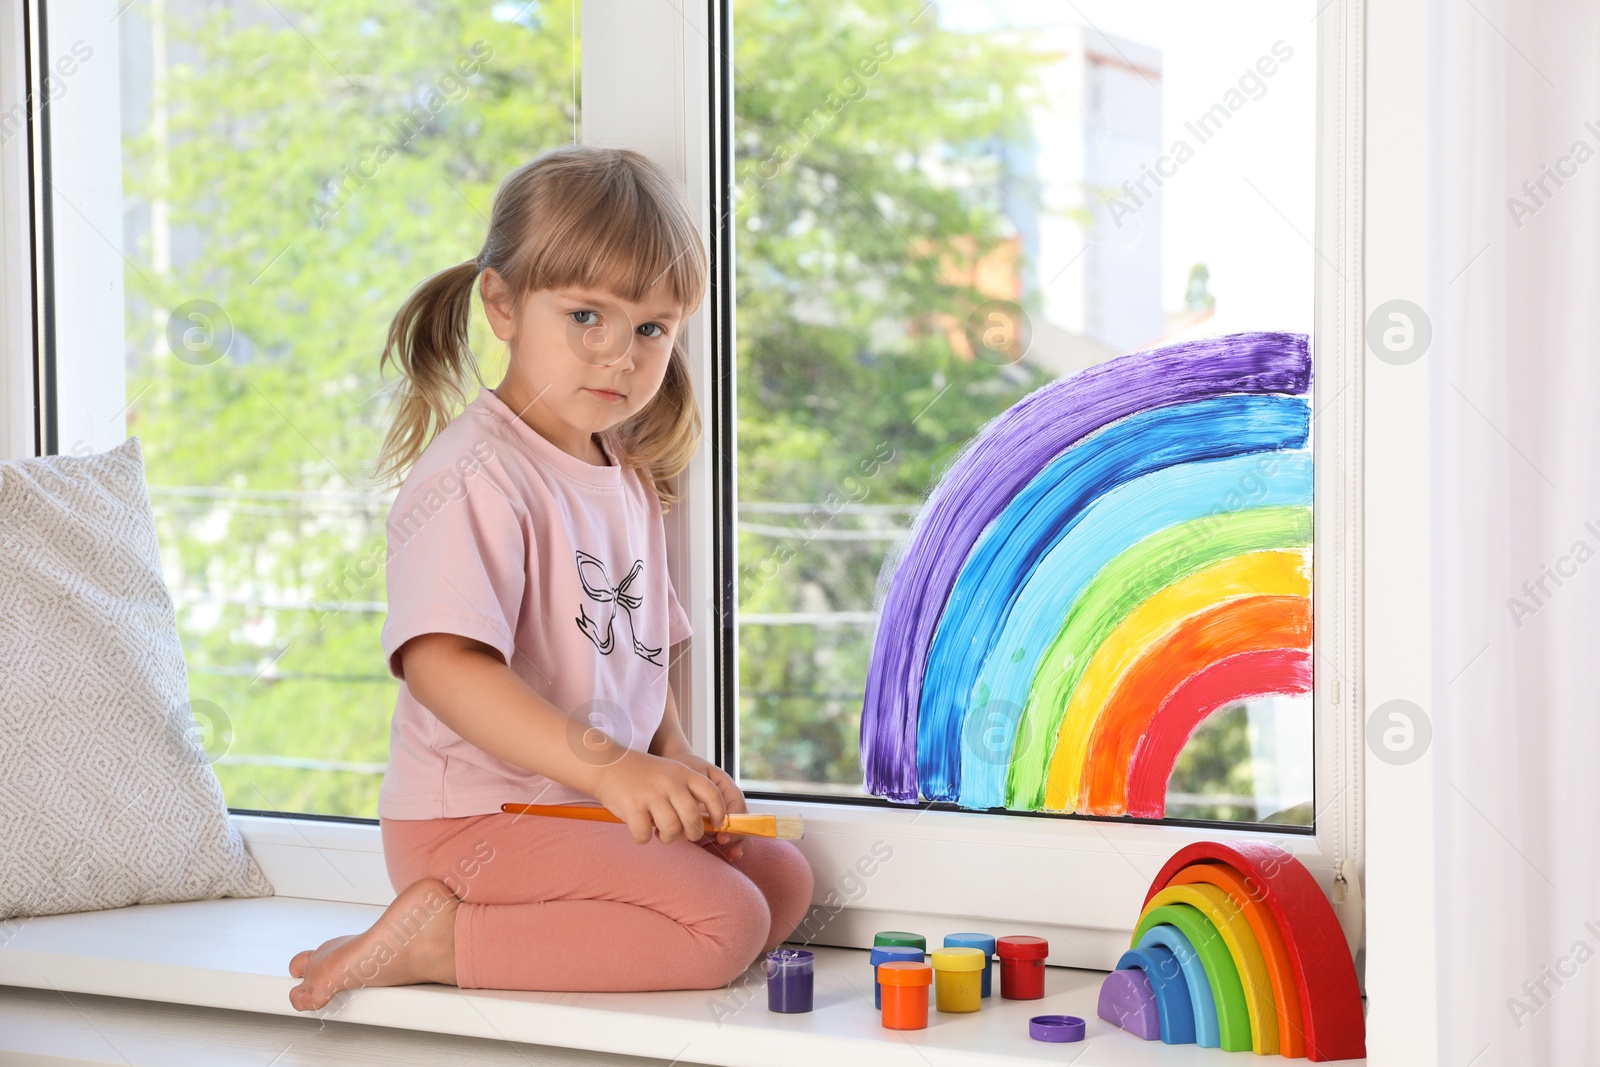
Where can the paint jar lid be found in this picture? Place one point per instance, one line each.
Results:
(982, 942)
(959, 958)
(905, 972)
(885, 953)
(1022, 947)
(899, 937)
(789, 961)
(1055, 1028)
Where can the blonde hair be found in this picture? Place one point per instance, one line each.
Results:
(576, 216)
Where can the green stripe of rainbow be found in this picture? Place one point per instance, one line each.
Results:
(1171, 601)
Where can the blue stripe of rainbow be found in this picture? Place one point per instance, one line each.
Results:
(994, 626)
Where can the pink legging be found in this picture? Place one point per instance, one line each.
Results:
(564, 905)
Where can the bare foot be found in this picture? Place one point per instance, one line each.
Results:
(413, 941)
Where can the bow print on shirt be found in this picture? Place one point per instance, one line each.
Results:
(592, 573)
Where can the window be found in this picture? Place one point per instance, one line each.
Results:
(218, 250)
(289, 171)
(937, 210)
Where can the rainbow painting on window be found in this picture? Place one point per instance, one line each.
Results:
(1117, 556)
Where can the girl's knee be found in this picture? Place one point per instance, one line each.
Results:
(791, 879)
(798, 867)
(739, 935)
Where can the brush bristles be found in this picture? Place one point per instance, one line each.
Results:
(788, 827)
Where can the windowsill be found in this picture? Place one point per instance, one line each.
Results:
(233, 954)
(1078, 883)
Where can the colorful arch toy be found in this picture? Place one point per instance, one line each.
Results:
(1120, 554)
(1251, 957)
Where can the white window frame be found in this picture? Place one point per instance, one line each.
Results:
(17, 272)
(84, 185)
(647, 84)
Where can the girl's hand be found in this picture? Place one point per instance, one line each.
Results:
(732, 845)
(659, 795)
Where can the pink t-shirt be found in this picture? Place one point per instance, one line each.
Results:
(500, 536)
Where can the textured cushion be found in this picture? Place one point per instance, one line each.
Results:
(106, 796)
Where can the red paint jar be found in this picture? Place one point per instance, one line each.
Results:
(1021, 966)
(905, 993)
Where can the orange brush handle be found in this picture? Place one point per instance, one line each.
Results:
(737, 822)
(564, 811)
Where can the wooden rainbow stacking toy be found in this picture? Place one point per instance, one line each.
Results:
(1237, 948)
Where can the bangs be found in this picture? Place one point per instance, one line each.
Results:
(614, 233)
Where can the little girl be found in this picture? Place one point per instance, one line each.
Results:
(531, 621)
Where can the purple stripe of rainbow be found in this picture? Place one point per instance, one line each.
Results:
(1004, 456)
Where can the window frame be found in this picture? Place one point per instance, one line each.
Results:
(655, 78)
(75, 212)
(1104, 850)
(19, 272)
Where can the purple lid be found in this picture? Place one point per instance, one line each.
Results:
(1055, 1028)
(789, 961)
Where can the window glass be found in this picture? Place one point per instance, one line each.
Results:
(291, 170)
(940, 207)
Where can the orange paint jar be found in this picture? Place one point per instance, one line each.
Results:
(905, 993)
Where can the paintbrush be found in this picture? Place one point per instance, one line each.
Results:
(737, 822)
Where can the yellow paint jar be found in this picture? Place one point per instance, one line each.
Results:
(958, 978)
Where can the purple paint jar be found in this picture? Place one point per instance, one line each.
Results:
(790, 975)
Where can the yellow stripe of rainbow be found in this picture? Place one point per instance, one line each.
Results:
(1275, 573)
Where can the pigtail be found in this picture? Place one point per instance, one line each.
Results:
(661, 439)
(428, 343)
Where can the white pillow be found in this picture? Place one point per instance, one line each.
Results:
(106, 796)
